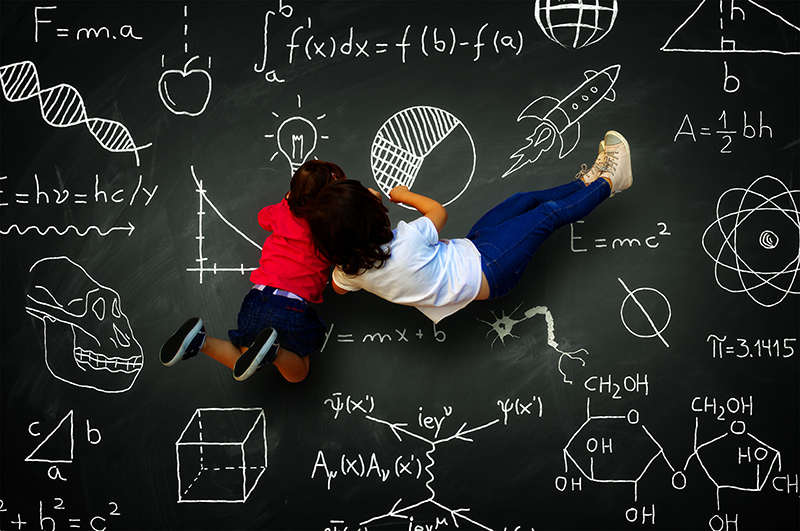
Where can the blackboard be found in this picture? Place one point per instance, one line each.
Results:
(643, 375)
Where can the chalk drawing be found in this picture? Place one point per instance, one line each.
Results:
(556, 118)
(503, 325)
(296, 138)
(221, 454)
(577, 23)
(406, 139)
(61, 232)
(766, 208)
(733, 456)
(738, 26)
(201, 213)
(186, 91)
(88, 340)
(632, 296)
(614, 449)
(62, 106)
(59, 445)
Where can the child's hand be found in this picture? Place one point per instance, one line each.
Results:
(396, 194)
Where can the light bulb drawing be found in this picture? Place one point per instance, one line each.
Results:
(296, 138)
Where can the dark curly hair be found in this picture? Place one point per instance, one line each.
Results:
(349, 226)
(307, 182)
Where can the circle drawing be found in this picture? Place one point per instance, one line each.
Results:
(755, 241)
(405, 140)
(575, 23)
(646, 292)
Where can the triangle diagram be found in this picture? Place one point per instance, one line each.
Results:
(734, 26)
(58, 446)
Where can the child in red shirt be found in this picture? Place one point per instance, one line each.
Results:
(275, 324)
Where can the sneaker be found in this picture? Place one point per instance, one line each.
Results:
(185, 343)
(262, 352)
(617, 165)
(589, 175)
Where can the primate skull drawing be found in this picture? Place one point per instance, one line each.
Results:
(88, 341)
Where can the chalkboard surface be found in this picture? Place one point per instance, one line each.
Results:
(643, 375)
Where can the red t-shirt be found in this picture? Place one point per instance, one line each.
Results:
(288, 259)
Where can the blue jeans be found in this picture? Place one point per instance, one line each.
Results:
(509, 234)
(300, 329)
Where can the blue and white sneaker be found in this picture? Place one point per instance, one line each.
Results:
(262, 352)
(185, 343)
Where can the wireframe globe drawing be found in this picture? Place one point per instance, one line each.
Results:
(426, 149)
(575, 23)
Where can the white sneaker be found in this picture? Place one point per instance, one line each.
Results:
(617, 166)
(589, 175)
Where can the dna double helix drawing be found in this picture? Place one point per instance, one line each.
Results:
(62, 106)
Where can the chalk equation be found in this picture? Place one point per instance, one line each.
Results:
(399, 335)
(42, 16)
(63, 106)
(426, 40)
(652, 241)
(88, 340)
(56, 514)
(559, 118)
(745, 348)
(731, 26)
(432, 430)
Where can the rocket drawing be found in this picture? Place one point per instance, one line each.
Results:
(560, 118)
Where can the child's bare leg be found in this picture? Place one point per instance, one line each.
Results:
(223, 351)
(291, 366)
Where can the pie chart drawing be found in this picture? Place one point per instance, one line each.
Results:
(428, 150)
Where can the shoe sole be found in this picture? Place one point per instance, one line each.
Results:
(178, 341)
(628, 149)
(248, 363)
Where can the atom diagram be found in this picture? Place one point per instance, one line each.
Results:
(759, 250)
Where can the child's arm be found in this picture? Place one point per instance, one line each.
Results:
(425, 205)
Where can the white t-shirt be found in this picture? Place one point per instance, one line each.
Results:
(439, 277)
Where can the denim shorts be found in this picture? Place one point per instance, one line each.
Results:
(300, 329)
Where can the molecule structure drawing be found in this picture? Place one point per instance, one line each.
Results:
(502, 327)
(615, 449)
(755, 241)
(63, 106)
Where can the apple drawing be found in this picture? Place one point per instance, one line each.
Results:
(185, 91)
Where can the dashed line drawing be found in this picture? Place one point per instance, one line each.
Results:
(503, 326)
(404, 141)
(59, 445)
(733, 452)
(767, 208)
(615, 449)
(62, 106)
(201, 212)
(221, 454)
(556, 118)
(631, 296)
(88, 340)
(297, 138)
(736, 20)
(577, 23)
